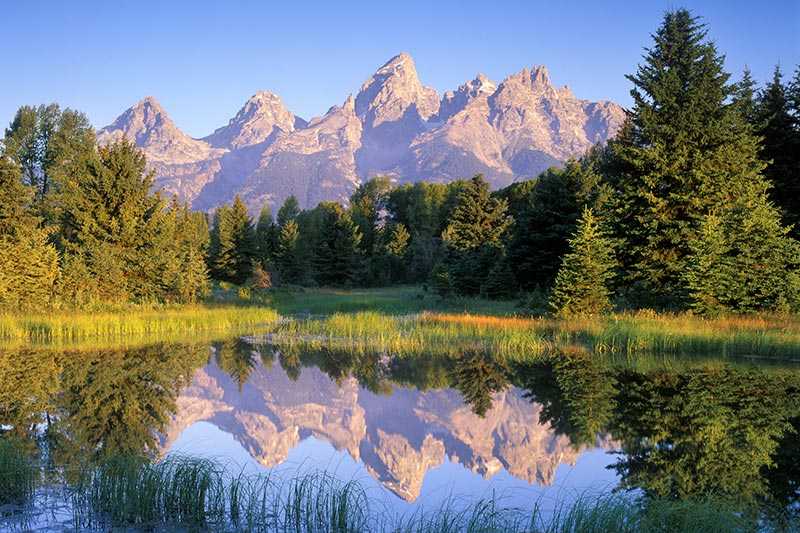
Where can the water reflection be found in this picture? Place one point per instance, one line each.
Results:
(686, 431)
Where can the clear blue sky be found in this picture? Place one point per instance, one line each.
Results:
(202, 60)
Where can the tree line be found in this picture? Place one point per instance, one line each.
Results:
(693, 205)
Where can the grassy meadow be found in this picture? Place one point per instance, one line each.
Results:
(408, 321)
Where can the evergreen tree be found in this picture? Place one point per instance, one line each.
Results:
(780, 148)
(395, 250)
(684, 151)
(266, 238)
(189, 278)
(337, 258)
(367, 208)
(744, 97)
(545, 222)
(500, 283)
(474, 236)
(744, 261)
(233, 244)
(288, 211)
(28, 263)
(222, 248)
(116, 235)
(287, 255)
(582, 283)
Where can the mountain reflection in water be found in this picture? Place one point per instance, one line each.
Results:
(679, 430)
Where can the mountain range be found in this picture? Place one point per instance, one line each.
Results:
(394, 126)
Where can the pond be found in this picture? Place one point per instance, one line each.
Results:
(419, 433)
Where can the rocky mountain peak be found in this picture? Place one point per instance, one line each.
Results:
(262, 117)
(392, 91)
(150, 127)
(455, 101)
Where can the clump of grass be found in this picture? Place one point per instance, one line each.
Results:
(19, 474)
(133, 492)
(163, 324)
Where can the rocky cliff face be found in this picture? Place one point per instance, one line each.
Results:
(394, 126)
(398, 438)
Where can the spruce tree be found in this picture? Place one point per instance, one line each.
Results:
(745, 262)
(744, 97)
(396, 249)
(545, 222)
(266, 238)
(582, 286)
(684, 151)
(28, 263)
(287, 255)
(222, 249)
(233, 243)
(337, 258)
(474, 236)
(780, 147)
(500, 282)
(288, 211)
(114, 231)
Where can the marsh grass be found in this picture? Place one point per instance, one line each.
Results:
(171, 324)
(190, 494)
(19, 474)
(513, 337)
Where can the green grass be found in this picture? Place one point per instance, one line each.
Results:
(513, 337)
(182, 493)
(18, 474)
(92, 329)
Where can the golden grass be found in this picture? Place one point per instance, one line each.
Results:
(169, 324)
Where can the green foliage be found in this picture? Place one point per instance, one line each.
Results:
(548, 216)
(28, 262)
(266, 238)
(49, 145)
(779, 128)
(337, 256)
(684, 151)
(288, 211)
(233, 245)
(582, 283)
(744, 261)
(121, 242)
(474, 237)
(287, 255)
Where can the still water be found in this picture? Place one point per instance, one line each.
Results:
(422, 432)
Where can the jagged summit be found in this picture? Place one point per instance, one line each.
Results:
(455, 101)
(151, 128)
(261, 119)
(394, 126)
(392, 90)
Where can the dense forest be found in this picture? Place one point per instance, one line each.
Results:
(695, 205)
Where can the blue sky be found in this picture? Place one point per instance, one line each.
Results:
(202, 60)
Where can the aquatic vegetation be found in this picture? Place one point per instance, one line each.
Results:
(190, 493)
(18, 473)
(148, 324)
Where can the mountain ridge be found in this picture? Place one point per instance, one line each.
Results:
(394, 125)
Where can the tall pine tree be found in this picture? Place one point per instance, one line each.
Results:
(780, 147)
(474, 237)
(684, 151)
(233, 243)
